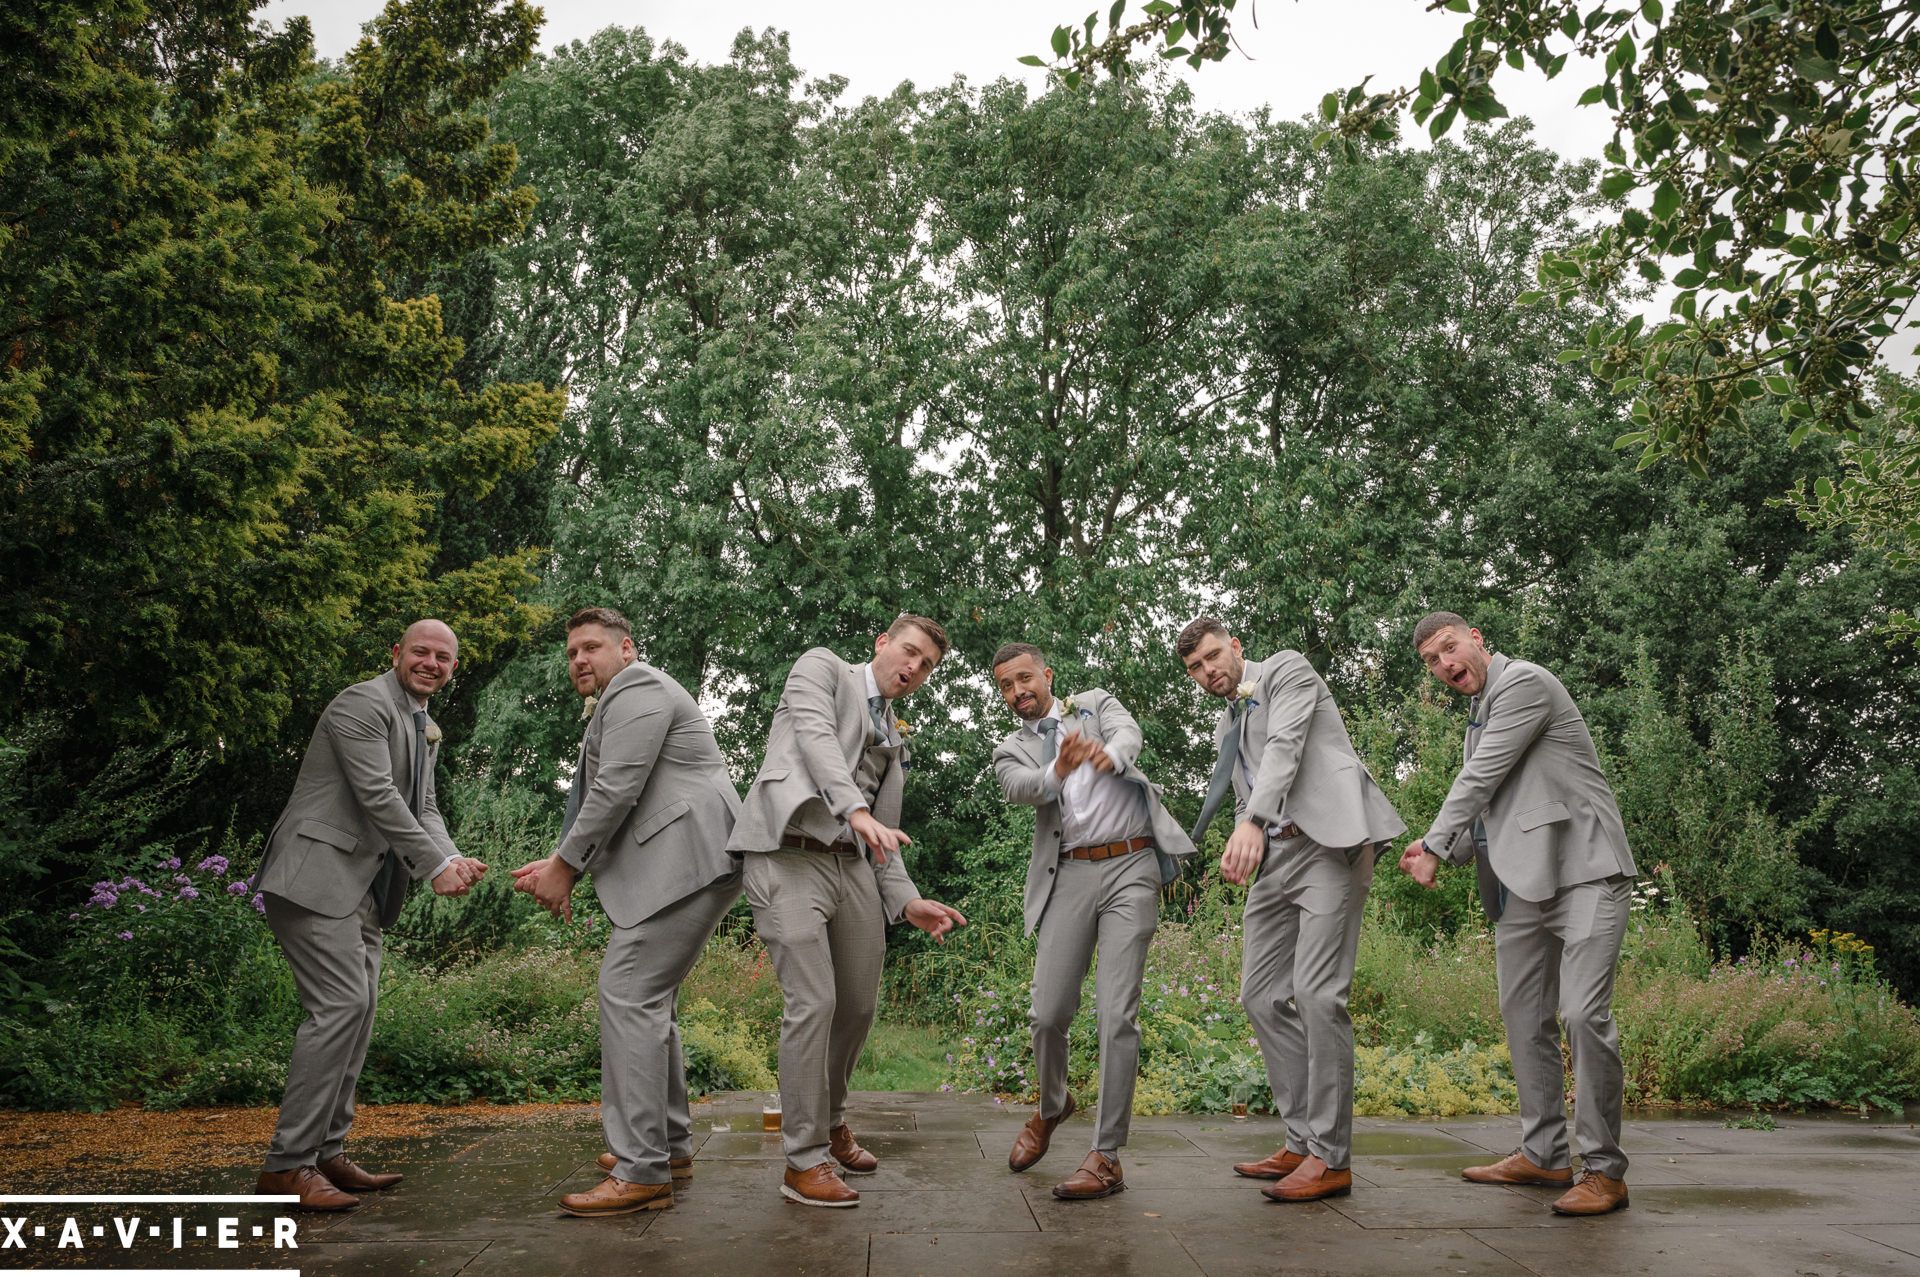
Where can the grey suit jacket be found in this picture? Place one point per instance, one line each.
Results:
(1017, 762)
(1305, 769)
(1550, 816)
(349, 809)
(657, 804)
(821, 730)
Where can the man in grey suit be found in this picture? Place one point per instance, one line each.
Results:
(824, 876)
(1533, 809)
(361, 827)
(1089, 886)
(648, 817)
(1309, 820)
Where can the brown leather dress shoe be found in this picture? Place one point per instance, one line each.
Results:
(615, 1196)
(1279, 1166)
(1030, 1145)
(1098, 1176)
(1595, 1194)
(316, 1191)
(356, 1179)
(1327, 1183)
(1514, 1168)
(846, 1150)
(679, 1167)
(819, 1186)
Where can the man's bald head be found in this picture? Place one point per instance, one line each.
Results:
(425, 657)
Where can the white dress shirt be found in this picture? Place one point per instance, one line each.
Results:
(1095, 807)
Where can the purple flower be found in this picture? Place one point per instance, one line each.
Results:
(181, 880)
(189, 893)
(259, 902)
(72, 916)
(126, 935)
(215, 864)
(171, 862)
(236, 888)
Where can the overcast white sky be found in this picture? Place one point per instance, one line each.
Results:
(1301, 49)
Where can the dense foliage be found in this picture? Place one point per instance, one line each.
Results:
(763, 367)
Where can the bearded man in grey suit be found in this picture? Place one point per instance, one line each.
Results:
(1309, 820)
(1089, 885)
(361, 827)
(649, 814)
(1532, 808)
(824, 876)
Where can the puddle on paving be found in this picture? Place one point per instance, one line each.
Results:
(1681, 1200)
(1395, 1144)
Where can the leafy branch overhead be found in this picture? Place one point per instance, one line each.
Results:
(1761, 171)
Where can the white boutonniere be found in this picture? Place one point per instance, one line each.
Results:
(587, 707)
(1070, 708)
(1243, 696)
(433, 732)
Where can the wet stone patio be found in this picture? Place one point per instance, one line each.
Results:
(1818, 1195)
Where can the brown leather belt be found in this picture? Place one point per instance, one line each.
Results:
(1288, 830)
(800, 842)
(1107, 850)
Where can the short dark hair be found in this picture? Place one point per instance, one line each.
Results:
(599, 616)
(1432, 623)
(1014, 651)
(1197, 629)
(925, 624)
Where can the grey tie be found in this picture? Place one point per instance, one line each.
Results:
(393, 874)
(1479, 831)
(1049, 729)
(1222, 775)
(877, 709)
(419, 760)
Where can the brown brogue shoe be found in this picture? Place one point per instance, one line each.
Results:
(820, 1186)
(1030, 1145)
(1279, 1166)
(356, 1179)
(316, 1191)
(616, 1196)
(1098, 1176)
(1514, 1168)
(1298, 1188)
(846, 1150)
(679, 1167)
(1595, 1194)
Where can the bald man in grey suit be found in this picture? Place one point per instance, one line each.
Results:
(1091, 885)
(1309, 820)
(1533, 810)
(361, 827)
(824, 875)
(648, 817)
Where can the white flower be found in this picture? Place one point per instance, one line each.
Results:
(433, 732)
(1070, 707)
(587, 707)
(1243, 692)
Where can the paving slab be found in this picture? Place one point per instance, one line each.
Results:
(1725, 1249)
(1817, 1195)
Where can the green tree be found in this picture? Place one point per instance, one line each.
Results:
(228, 415)
(1774, 146)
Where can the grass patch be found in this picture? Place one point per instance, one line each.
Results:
(902, 1057)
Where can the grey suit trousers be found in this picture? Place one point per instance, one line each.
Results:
(1558, 957)
(336, 968)
(820, 916)
(1300, 938)
(643, 1079)
(1110, 905)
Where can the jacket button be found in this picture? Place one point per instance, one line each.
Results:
(1049, 868)
(1056, 833)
